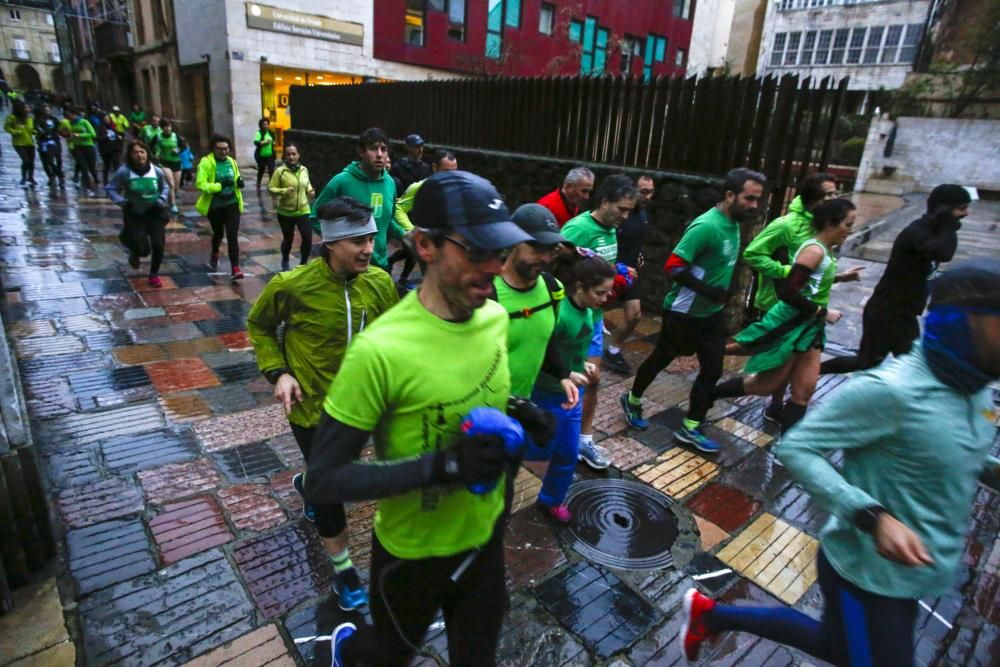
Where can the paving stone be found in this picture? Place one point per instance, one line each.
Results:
(596, 606)
(317, 620)
(49, 398)
(722, 578)
(192, 312)
(526, 488)
(56, 366)
(531, 551)
(195, 347)
(102, 287)
(529, 637)
(143, 313)
(744, 432)
(83, 323)
(724, 506)
(195, 604)
(106, 340)
(181, 375)
(48, 309)
(179, 480)
(99, 501)
(188, 527)
(91, 386)
(192, 279)
(360, 517)
(216, 293)
(228, 358)
(237, 340)
(236, 308)
(140, 354)
(36, 347)
(81, 429)
(142, 284)
(73, 468)
(130, 453)
(251, 507)
(246, 462)
(222, 325)
(166, 334)
(677, 472)
(238, 372)
(228, 398)
(31, 328)
(263, 647)
(626, 453)
(283, 568)
(108, 553)
(286, 447)
(775, 556)
(185, 408)
(711, 534)
(734, 449)
(242, 427)
(168, 297)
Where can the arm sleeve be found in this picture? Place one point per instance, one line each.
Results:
(759, 255)
(679, 270)
(274, 183)
(115, 185)
(553, 363)
(790, 290)
(403, 206)
(201, 181)
(267, 314)
(89, 129)
(862, 414)
(335, 475)
(939, 244)
(8, 124)
(164, 186)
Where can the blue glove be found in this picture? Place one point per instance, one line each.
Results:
(491, 422)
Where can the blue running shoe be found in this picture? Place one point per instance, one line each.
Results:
(348, 587)
(337, 638)
(633, 413)
(697, 439)
(308, 509)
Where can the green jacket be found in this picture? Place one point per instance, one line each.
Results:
(403, 205)
(21, 134)
(205, 183)
(296, 203)
(379, 193)
(770, 253)
(321, 312)
(83, 132)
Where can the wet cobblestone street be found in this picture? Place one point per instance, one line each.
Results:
(168, 470)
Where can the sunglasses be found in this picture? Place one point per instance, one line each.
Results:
(479, 255)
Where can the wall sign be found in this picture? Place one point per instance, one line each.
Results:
(263, 17)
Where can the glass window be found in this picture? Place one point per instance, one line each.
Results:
(589, 26)
(857, 42)
(48, 19)
(513, 13)
(682, 9)
(823, 47)
(778, 52)
(416, 15)
(456, 19)
(601, 51)
(15, 14)
(874, 44)
(808, 46)
(437, 5)
(493, 44)
(631, 52)
(681, 57)
(839, 46)
(494, 29)
(910, 43)
(546, 18)
(792, 50)
(661, 49)
(893, 36)
(575, 31)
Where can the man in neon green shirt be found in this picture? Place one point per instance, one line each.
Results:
(437, 545)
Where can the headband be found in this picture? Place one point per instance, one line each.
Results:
(345, 228)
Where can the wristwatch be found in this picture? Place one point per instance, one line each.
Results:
(273, 375)
(866, 519)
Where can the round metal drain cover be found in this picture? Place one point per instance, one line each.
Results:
(622, 524)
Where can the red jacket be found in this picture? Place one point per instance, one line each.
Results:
(555, 202)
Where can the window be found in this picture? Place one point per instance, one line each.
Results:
(910, 43)
(631, 52)
(494, 29)
(416, 19)
(874, 44)
(778, 52)
(54, 56)
(656, 52)
(595, 47)
(823, 47)
(49, 20)
(808, 46)
(681, 58)
(437, 5)
(15, 14)
(890, 49)
(576, 31)
(792, 51)
(546, 19)
(512, 13)
(21, 48)
(839, 45)
(456, 19)
(682, 9)
(857, 42)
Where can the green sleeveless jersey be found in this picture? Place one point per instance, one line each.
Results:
(817, 288)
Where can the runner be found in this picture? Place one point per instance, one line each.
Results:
(436, 545)
(141, 190)
(566, 202)
(151, 131)
(615, 199)
(411, 167)
(290, 185)
(49, 145)
(221, 201)
(83, 148)
(168, 155)
(263, 152)
(770, 253)
(66, 132)
(701, 267)
(890, 316)
(21, 127)
(109, 143)
(787, 343)
(915, 434)
(137, 118)
(121, 122)
(367, 180)
(300, 326)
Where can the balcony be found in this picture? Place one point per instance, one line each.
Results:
(20, 54)
(112, 40)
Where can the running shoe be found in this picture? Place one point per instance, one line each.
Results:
(697, 439)
(633, 413)
(308, 509)
(559, 513)
(237, 273)
(616, 362)
(213, 261)
(593, 455)
(133, 260)
(337, 638)
(773, 414)
(284, 265)
(154, 281)
(348, 587)
(174, 210)
(694, 631)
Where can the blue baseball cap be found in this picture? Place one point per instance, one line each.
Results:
(414, 140)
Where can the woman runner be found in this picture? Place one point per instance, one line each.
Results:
(21, 127)
(109, 142)
(168, 153)
(263, 153)
(291, 188)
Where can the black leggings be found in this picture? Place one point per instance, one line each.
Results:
(682, 336)
(330, 519)
(408, 262)
(52, 162)
(225, 220)
(414, 590)
(264, 164)
(86, 161)
(145, 235)
(288, 225)
(27, 155)
(882, 333)
(110, 161)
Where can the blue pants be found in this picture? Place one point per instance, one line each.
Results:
(859, 629)
(561, 451)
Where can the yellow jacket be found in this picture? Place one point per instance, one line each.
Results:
(291, 203)
(205, 183)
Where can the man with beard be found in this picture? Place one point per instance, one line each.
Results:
(409, 381)
(701, 267)
(565, 203)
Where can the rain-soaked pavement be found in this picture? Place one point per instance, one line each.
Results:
(169, 469)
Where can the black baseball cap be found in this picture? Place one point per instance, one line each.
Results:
(468, 204)
(971, 283)
(539, 222)
(414, 140)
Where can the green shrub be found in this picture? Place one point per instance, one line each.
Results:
(849, 152)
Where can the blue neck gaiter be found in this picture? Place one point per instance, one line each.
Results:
(950, 350)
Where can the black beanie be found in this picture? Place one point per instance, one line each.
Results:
(973, 283)
(948, 195)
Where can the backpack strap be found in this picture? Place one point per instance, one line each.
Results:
(556, 294)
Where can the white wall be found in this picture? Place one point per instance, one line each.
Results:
(713, 21)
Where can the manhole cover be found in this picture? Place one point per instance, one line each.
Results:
(622, 524)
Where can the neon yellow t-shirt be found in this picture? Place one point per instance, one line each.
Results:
(410, 378)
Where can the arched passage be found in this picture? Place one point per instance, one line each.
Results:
(27, 77)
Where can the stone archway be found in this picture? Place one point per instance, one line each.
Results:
(27, 77)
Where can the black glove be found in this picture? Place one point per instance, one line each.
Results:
(225, 181)
(539, 424)
(477, 459)
(159, 204)
(718, 294)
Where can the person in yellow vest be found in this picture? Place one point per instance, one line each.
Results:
(221, 201)
(119, 119)
(290, 187)
(21, 127)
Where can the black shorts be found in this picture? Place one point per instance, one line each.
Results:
(172, 166)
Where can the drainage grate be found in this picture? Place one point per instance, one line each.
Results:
(622, 524)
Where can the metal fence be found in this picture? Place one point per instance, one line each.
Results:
(782, 126)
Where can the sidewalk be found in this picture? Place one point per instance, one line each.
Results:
(169, 471)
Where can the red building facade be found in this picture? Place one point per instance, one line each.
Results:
(535, 37)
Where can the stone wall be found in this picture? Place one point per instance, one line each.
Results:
(525, 178)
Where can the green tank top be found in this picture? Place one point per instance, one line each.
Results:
(168, 148)
(817, 288)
